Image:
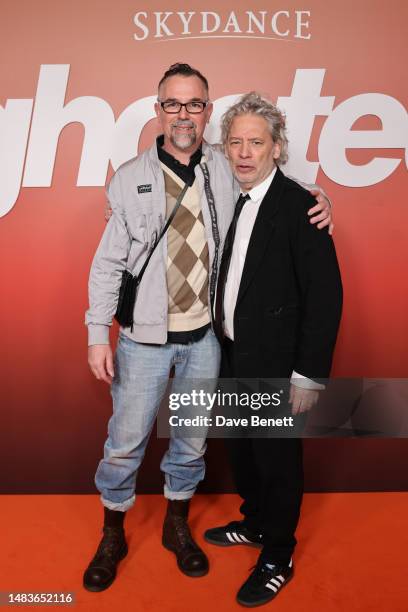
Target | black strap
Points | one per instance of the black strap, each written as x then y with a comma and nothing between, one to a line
164,230
215,232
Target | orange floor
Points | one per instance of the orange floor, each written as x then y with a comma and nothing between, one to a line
351,556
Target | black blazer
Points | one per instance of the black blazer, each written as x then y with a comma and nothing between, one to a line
290,297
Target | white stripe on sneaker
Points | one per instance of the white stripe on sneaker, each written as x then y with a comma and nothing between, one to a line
276,583
245,539
270,586
229,536
236,537
281,578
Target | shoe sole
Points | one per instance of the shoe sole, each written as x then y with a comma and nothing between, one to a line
266,600
98,589
190,574
227,544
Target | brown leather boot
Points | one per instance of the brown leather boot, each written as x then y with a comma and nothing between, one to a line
101,571
191,560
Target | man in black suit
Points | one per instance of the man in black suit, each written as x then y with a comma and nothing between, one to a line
278,307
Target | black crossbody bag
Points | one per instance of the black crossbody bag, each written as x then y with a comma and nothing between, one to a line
130,282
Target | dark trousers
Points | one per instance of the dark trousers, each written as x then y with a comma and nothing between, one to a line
268,474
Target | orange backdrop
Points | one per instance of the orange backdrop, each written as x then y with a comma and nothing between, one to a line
54,412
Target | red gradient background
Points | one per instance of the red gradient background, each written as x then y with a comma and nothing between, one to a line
54,414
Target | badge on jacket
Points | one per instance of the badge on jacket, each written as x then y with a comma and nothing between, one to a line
144,188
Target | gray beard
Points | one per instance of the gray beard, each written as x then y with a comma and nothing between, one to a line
183,142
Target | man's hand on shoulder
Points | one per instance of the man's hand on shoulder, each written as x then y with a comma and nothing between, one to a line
100,361
302,399
321,213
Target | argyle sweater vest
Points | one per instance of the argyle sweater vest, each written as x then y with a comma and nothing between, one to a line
187,258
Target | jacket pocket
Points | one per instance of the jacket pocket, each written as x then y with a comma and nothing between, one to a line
281,311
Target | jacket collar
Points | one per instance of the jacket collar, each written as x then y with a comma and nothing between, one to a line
263,230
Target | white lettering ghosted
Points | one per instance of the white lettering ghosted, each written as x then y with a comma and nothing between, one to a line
106,140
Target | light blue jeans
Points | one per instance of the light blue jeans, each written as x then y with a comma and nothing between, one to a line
141,379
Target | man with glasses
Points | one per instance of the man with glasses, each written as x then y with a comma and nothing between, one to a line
172,314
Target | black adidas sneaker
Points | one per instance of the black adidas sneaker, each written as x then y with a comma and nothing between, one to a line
264,584
232,534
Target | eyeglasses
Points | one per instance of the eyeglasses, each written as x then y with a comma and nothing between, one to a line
173,106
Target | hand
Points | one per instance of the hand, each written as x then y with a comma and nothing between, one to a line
323,207
302,399
100,361
108,211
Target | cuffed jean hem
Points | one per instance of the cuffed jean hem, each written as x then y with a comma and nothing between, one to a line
180,495
119,506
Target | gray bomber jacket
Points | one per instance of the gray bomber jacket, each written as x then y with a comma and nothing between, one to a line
137,197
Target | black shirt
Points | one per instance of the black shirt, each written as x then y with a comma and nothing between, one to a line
186,173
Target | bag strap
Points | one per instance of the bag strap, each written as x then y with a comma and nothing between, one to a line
164,230
215,231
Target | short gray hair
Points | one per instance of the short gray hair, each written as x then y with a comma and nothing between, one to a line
254,103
